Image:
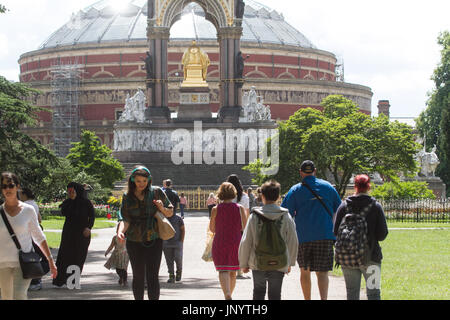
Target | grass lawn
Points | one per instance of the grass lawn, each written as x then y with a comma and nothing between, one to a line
54,239
56,223
417,225
100,223
416,264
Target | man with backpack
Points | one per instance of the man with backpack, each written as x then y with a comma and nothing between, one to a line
359,225
269,244
172,195
312,203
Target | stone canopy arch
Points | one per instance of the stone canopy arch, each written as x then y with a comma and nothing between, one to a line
226,16
215,12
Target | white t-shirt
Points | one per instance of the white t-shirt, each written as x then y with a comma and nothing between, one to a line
245,201
26,227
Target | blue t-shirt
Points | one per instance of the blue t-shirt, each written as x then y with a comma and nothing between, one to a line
312,220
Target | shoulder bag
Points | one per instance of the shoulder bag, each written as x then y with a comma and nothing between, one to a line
164,227
30,262
318,198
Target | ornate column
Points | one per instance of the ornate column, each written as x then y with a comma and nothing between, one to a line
157,87
229,39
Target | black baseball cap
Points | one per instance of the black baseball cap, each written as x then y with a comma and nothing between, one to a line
307,166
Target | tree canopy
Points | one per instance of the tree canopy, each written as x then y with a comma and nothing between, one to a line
434,122
343,141
19,153
90,156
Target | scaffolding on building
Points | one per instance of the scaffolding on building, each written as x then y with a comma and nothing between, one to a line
340,70
65,83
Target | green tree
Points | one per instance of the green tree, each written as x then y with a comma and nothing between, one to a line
90,156
433,123
342,142
55,183
19,153
256,167
2,8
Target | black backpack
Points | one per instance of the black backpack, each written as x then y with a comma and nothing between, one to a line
352,244
271,253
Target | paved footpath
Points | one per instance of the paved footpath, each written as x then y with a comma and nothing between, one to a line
199,282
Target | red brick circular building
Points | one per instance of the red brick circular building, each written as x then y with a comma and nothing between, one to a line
108,46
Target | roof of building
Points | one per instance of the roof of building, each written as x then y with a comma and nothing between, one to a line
104,22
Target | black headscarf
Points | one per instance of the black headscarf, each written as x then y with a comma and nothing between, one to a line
79,189
80,209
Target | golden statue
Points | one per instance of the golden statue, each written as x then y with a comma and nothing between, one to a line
195,67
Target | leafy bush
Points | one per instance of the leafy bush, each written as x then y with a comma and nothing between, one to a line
403,190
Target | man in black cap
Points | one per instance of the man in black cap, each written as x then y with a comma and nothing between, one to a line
313,203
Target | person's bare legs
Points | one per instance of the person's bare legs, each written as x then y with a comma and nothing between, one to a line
232,281
225,283
322,282
305,281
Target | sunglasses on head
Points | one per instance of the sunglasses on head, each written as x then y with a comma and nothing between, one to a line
8,186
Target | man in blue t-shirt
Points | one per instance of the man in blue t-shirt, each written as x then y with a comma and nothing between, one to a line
314,223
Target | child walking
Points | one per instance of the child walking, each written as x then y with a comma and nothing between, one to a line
118,259
173,249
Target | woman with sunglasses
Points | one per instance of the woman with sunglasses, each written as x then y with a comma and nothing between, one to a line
144,247
23,220
76,233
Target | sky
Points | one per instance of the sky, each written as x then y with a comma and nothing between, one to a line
387,45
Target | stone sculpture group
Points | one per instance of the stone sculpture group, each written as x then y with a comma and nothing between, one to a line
253,108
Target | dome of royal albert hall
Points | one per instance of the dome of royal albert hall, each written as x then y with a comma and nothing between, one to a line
103,22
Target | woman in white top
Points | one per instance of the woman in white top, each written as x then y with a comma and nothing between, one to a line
23,220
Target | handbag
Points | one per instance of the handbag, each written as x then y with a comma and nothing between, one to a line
207,254
30,262
165,228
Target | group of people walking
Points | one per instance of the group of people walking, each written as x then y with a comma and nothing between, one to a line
310,219
308,222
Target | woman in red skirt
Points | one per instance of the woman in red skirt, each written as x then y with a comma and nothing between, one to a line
228,220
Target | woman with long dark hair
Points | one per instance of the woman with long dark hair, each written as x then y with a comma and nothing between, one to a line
76,233
139,206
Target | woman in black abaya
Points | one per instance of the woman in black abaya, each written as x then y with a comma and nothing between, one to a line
76,233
